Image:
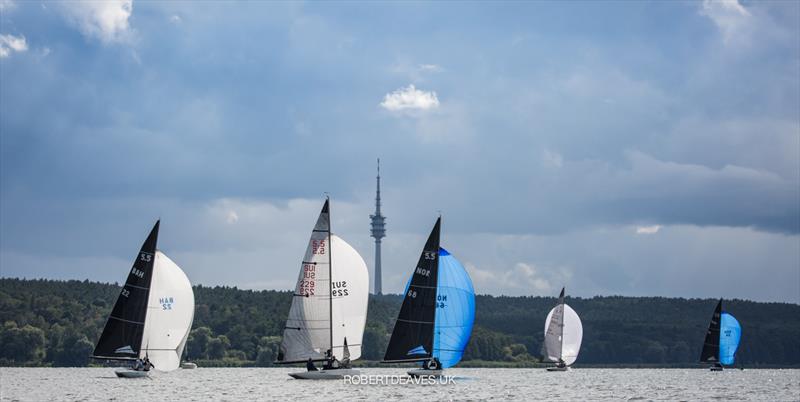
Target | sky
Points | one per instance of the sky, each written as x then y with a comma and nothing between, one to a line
615,148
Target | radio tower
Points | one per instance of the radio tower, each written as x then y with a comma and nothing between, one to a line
378,232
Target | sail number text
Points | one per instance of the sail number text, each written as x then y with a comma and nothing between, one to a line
307,283
146,257
423,271
318,247
429,255
137,272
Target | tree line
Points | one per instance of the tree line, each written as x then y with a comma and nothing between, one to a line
56,323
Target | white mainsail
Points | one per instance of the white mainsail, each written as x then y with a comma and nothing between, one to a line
318,323
170,312
563,333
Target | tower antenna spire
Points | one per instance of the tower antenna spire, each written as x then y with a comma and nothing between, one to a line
378,231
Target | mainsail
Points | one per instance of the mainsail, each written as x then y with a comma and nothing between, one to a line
412,337
317,322
563,333
710,351
122,336
455,310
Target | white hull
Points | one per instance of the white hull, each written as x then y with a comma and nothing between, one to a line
425,373
129,373
335,374
188,366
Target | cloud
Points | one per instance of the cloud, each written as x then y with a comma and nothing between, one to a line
521,279
232,217
552,159
730,17
410,98
7,5
647,230
103,20
11,43
175,19
430,68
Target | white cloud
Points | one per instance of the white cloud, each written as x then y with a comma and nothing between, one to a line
232,217
552,159
522,279
11,43
7,5
104,20
647,230
730,17
431,68
175,19
410,98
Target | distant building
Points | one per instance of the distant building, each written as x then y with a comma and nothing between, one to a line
378,232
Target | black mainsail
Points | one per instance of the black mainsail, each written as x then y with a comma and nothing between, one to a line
122,335
412,338
710,351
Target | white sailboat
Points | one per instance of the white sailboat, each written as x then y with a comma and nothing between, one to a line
563,333
152,317
329,307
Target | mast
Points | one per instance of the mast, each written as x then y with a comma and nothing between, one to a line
561,327
378,232
330,276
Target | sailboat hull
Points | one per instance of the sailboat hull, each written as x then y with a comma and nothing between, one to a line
335,374
716,368
425,373
557,368
129,373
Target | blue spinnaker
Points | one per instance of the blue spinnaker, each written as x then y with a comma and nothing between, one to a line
455,310
730,332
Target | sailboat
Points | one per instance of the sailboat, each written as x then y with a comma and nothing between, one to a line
722,339
563,333
152,316
435,321
329,306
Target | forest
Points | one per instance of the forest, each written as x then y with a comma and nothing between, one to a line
56,323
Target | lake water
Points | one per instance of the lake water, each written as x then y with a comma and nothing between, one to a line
233,384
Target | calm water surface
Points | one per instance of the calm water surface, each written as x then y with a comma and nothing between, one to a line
232,384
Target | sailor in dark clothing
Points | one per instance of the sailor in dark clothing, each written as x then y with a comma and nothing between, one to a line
147,364
310,365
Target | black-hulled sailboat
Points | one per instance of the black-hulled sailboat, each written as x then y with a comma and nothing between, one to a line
435,321
151,319
722,339
329,308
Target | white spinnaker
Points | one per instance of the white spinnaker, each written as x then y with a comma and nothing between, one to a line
350,297
170,312
572,335
307,332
